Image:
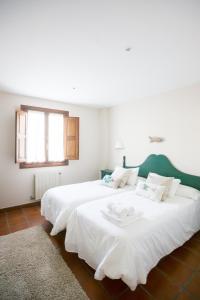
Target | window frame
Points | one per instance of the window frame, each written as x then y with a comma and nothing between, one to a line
24,165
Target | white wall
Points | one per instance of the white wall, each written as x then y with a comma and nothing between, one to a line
16,185
174,116
104,137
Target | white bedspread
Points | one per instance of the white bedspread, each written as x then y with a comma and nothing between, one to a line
58,203
130,253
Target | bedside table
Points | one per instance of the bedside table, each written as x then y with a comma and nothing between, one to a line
105,172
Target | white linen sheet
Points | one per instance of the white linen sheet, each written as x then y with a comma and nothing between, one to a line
58,203
131,252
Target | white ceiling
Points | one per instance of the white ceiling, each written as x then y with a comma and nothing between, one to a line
50,47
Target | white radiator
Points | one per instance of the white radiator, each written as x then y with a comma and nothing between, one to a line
45,181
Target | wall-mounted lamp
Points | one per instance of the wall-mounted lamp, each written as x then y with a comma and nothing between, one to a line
119,145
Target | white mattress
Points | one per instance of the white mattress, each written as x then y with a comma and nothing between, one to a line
130,253
58,203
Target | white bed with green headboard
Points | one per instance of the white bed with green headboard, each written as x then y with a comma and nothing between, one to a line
130,252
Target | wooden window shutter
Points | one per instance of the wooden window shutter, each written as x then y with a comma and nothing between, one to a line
20,138
71,138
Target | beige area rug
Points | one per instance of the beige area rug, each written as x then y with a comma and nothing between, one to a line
32,268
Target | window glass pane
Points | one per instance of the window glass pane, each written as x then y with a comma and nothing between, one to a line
35,137
55,139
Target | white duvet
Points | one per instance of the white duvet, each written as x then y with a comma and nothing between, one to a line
58,203
131,252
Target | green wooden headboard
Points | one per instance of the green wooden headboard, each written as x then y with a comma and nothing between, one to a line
161,165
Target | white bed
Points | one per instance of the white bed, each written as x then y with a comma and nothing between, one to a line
131,252
58,203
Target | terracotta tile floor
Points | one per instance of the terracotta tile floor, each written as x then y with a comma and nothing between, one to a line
176,277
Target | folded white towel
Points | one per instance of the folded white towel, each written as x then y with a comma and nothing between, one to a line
122,222
121,210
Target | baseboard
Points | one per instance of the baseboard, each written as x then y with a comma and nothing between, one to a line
20,206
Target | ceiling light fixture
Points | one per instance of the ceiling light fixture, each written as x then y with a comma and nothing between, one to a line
128,49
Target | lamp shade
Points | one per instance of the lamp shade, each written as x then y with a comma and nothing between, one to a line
119,145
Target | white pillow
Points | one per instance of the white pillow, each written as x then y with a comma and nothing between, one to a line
151,191
133,176
154,178
121,174
112,184
143,179
174,186
188,192
109,182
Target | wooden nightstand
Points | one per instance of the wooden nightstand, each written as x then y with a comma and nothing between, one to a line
105,172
